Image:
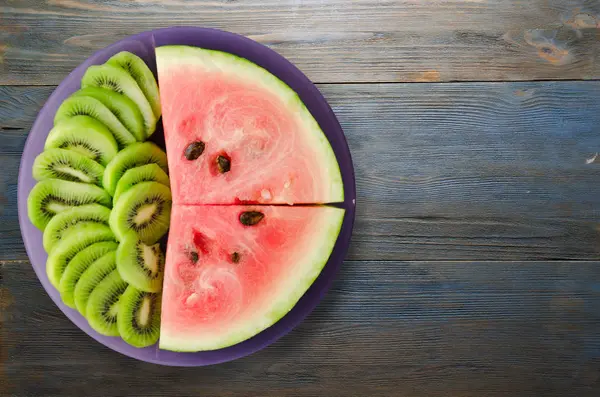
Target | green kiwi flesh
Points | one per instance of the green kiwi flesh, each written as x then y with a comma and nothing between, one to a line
121,106
145,209
138,317
132,156
143,76
67,165
139,264
78,265
51,196
75,240
103,304
91,277
87,106
84,135
116,79
65,220
144,173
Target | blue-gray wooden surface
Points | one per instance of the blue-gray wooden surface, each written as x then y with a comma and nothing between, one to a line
474,268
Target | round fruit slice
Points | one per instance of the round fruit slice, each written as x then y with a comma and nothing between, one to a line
51,196
78,238
145,209
143,76
67,165
121,106
131,157
116,79
79,264
232,271
85,135
88,106
139,264
138,318
103,304
65,220
143,173
91,277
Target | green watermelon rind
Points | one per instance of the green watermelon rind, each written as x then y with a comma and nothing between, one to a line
177,55
317,255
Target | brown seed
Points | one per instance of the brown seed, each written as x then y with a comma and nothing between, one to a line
194,256
223,164
251,218
235,257
194,150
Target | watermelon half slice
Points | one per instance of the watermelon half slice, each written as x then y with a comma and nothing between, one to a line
258,142
233,271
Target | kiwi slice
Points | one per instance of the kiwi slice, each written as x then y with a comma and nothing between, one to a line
65,220
75,240
143,173
51,196
121,106
140,265
80,105
103,304
117,79
145,209
67,165
130,157
91,277
79,264
143,76
138,317
84,135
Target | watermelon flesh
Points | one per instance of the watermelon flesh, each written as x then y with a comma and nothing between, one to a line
239,111
225,281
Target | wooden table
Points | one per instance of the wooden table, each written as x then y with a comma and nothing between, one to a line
475,263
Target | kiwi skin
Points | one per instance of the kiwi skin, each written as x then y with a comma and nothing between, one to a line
103,304
67,165
132,156
63,221
143,197
143,76
88,106
144,173
78,265
91,277
76,239
51,196
84,135
138,319
116,79
139,264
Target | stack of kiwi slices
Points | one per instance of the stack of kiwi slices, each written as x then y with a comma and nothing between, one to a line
103,201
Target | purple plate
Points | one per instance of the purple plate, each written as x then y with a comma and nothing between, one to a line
143,44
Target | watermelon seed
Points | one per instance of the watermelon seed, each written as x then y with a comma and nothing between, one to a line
223,164
235,257
194,256
251,218
194,150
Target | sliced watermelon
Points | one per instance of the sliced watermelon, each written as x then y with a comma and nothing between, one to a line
232,271
236,134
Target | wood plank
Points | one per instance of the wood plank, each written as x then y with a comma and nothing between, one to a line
330,40
386,328
444,171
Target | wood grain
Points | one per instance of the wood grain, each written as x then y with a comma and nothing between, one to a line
385,329
444,171
330,40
